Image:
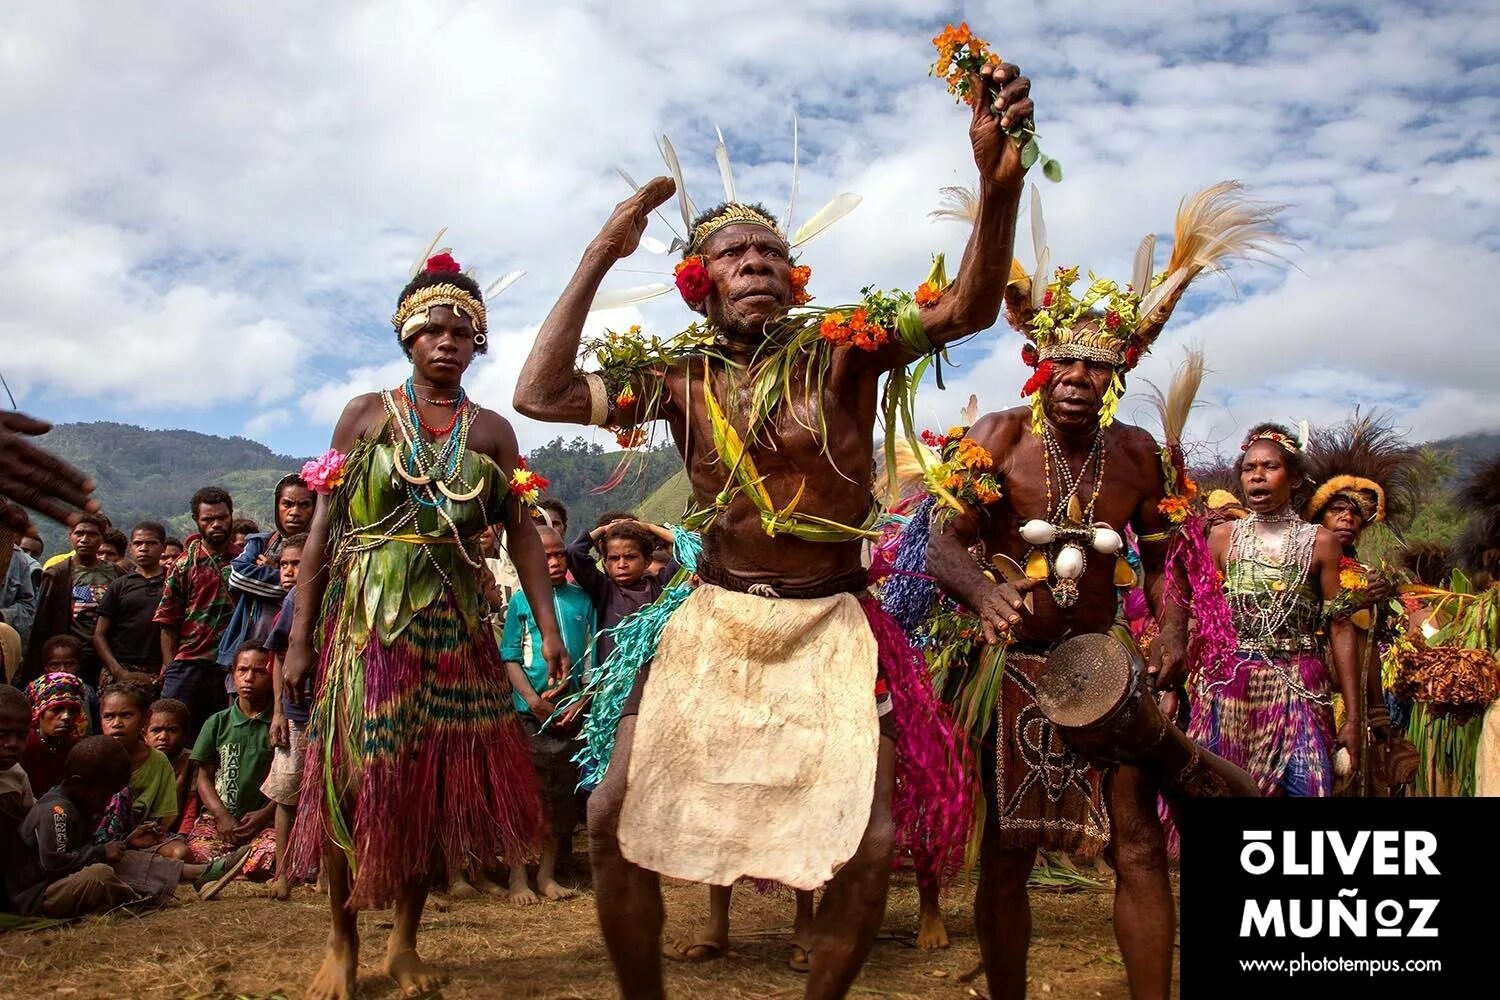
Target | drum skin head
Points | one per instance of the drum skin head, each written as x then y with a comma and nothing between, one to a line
1085,679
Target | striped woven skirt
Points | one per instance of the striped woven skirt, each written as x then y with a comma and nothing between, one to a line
417,766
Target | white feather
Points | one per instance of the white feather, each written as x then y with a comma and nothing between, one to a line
1038,233
1039,279
1145,259
1161,292
1304,435
791,205
721,153
502,283
620,297
636,187
957,204
651,244
416,268
683,200
840,206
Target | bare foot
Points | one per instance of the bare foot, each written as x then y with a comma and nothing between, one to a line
553,891
460,889
696,951
280,888
521,894
336,976
931,933
414,976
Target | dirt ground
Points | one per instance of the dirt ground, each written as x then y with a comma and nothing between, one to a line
245,945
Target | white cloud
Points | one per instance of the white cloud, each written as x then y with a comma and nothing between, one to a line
205,185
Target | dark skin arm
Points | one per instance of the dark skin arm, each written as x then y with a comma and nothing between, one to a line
32,478
997,603
110,667
224,821
312,575
1167,661
549,387
1341,643
973,300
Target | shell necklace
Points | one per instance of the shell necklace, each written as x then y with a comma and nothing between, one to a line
1060,542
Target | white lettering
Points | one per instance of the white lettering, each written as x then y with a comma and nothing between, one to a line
1388,914
1254,849
1424,908
1340,912
1267,920
1420,847
1348,856
1315,926
1387,850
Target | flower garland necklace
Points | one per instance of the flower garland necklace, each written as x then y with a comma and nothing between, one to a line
1071,529
1261,619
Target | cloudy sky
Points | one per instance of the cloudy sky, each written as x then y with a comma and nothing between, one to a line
207,209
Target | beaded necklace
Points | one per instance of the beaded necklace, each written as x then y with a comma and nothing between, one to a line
1261,617
1071,520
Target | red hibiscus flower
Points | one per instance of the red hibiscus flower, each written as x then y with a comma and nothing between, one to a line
1039,378
443,263
1029,355
693,281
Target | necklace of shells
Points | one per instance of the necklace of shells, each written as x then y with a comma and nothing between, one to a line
1060,542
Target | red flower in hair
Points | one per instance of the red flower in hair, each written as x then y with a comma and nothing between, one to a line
443,263
1029,355
693,282
1132,356
1039,378
1112,320
1047,299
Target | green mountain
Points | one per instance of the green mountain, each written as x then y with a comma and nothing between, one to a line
150,475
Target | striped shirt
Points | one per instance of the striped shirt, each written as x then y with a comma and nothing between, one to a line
196,602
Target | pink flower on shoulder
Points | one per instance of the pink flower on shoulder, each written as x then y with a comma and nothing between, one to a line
324,474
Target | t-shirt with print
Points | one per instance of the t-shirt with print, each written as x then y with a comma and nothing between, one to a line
130,604
89,586
239,745
195,601
153,788
522,640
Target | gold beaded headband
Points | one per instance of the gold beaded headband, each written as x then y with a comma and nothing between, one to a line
1284,441
411,316
733,214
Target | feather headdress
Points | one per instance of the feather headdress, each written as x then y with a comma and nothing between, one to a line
411,313
1366,461
691,238
1479,545
1117,325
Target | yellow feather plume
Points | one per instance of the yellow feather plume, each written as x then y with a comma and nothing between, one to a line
1174,407
1213,227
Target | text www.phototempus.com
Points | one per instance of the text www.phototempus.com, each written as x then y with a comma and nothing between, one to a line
1339,965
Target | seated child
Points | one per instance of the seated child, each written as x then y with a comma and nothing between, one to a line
57,722
288,719
59,872
167,732
233,754
552,749
63,654
153,783
16,798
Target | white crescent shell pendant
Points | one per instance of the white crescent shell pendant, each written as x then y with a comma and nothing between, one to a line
1038,532
461,497
1068,564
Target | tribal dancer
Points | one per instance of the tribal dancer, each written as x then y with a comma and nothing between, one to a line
1263,696
759,748
1045,491
1363,472
416,763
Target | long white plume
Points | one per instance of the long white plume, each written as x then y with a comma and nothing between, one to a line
840,206
1145,259
416,268
620,297
503,282
684,201
721,153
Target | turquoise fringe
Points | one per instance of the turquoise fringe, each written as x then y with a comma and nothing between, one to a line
636,638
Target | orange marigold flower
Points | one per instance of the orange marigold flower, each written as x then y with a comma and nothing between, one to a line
801,274
833,329
626,397
1174,508
927,293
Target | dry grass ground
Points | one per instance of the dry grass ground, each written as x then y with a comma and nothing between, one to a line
244,945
